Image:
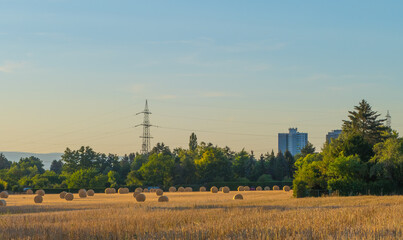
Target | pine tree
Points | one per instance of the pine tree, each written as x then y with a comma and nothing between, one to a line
365,122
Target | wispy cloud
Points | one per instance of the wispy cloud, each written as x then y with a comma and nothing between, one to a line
166,97
138,88
218,94
253,47
9,66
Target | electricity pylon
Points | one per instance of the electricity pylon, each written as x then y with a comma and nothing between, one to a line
145,147
388,120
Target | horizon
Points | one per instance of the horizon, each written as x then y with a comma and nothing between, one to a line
76,73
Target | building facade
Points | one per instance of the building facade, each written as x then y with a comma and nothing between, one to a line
332,135
293,141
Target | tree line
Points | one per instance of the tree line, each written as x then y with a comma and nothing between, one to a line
162,167
367,156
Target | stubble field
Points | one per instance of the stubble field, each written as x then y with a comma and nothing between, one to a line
196,215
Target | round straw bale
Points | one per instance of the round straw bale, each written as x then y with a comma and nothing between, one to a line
238,197
40,192
29,191
159,192
275,187
4,194
38,199
140,197
259,188
188,189
113,190
163,199
266,188
3,203
181,189
220,189
69,197
225,189
146,190
135,194
123,190
240,188
139,189
90,193
202,189
82,193
246,188
214,189
62,194
172,189
286,188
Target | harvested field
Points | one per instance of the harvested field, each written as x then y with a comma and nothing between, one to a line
202,215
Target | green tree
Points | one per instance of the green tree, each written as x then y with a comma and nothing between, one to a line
388,161
364,121
32,161
113,178
193,142
310,175
138,161
3,185
4,163
82,158
346,175
158,170
56,166
87,178
213,165
239,164
308,149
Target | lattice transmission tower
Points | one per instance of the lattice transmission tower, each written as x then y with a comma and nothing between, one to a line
145,147
388,120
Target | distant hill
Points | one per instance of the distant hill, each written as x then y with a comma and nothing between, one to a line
47,158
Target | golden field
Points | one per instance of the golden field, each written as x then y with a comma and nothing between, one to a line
196,215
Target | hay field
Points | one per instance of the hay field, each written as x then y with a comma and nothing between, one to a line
195,215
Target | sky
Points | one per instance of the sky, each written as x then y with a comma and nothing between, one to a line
236,73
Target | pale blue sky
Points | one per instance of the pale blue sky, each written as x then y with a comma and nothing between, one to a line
75,72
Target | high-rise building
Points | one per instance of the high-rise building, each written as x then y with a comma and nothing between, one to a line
332,135
293,141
